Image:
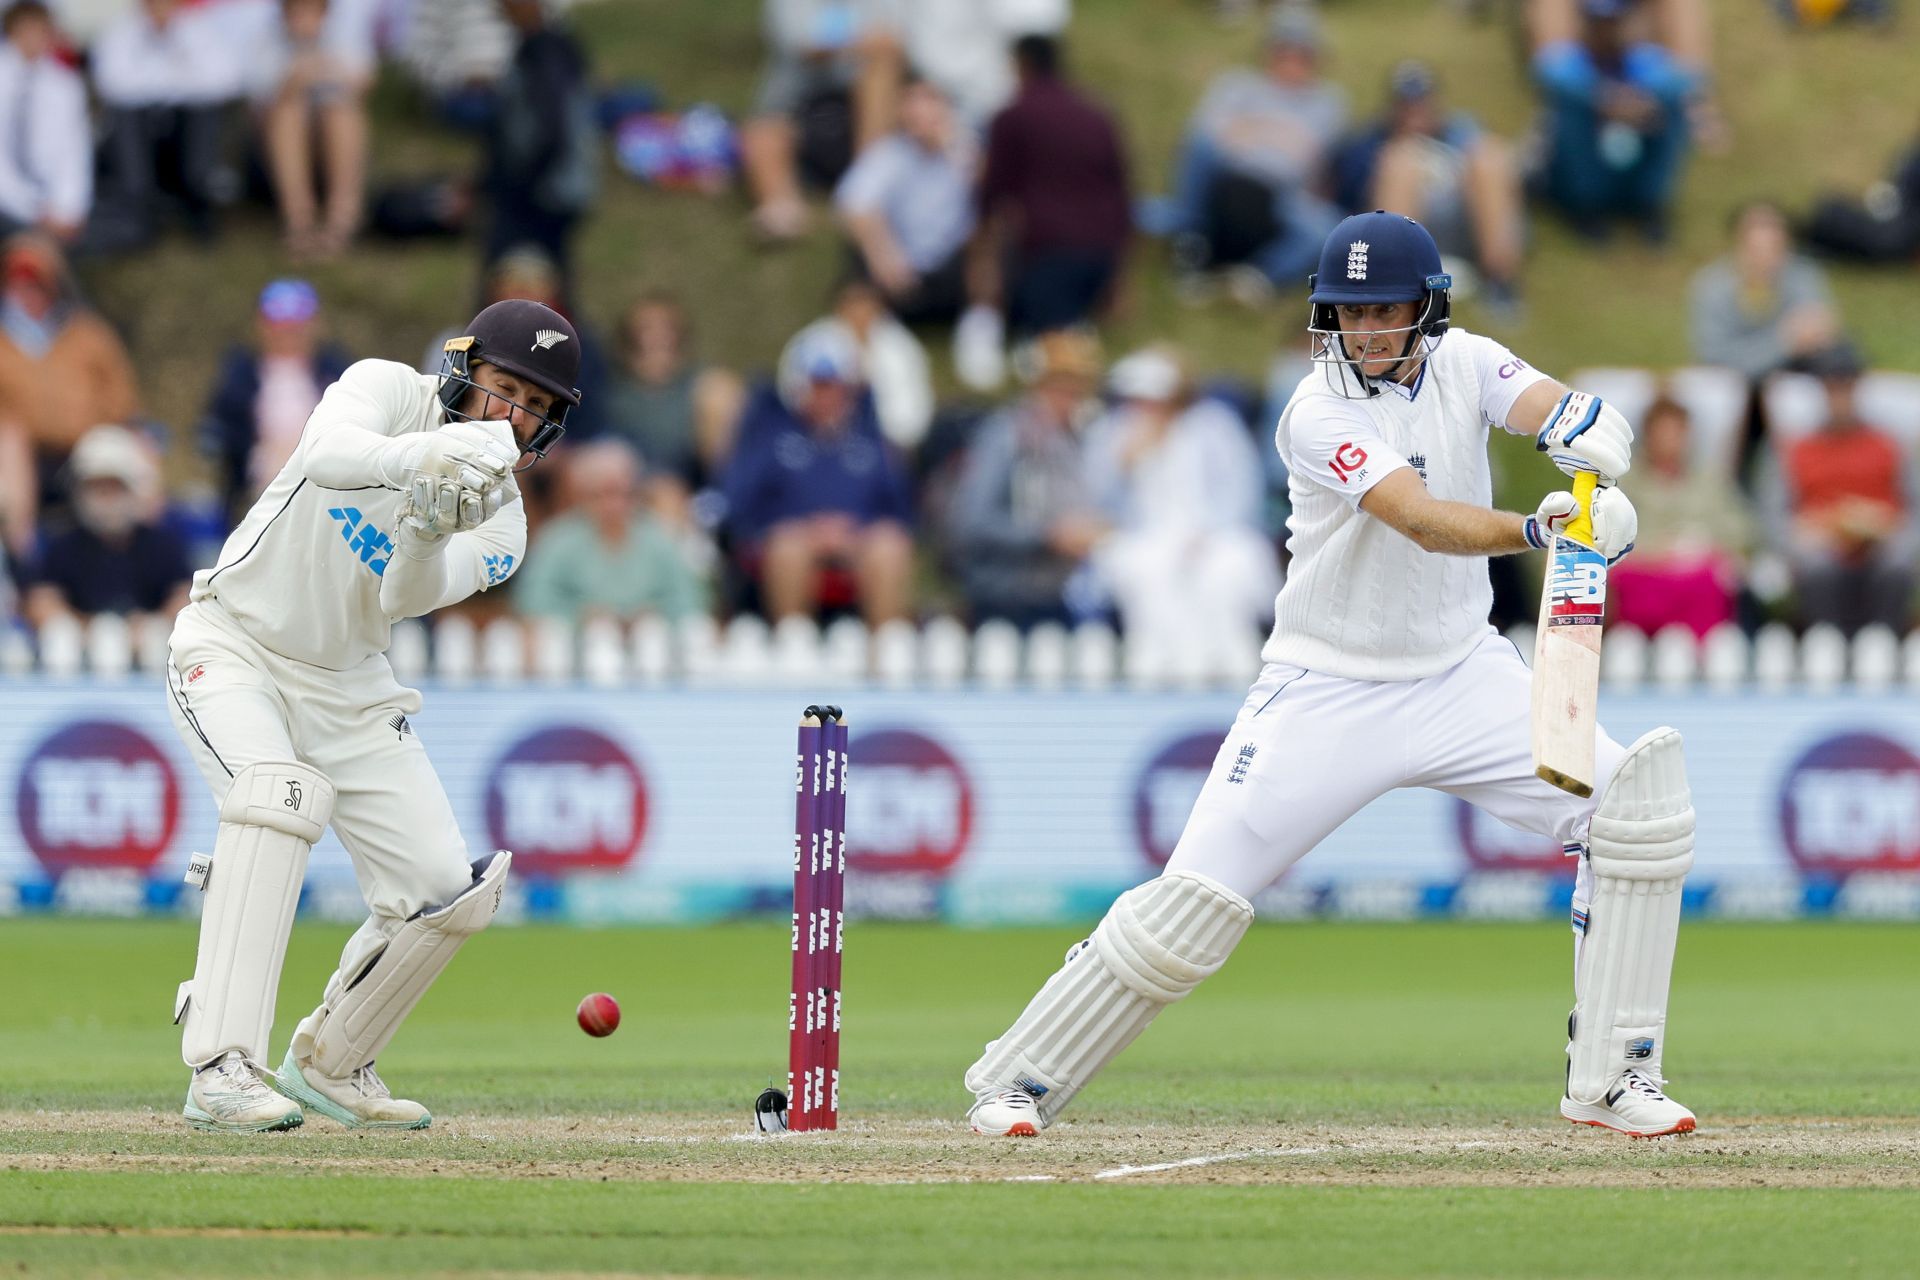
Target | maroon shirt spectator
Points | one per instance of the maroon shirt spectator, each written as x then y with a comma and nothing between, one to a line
1053,200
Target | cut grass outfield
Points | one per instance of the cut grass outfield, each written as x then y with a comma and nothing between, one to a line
1385,1094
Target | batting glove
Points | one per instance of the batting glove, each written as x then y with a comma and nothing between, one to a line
1615,523
1585,433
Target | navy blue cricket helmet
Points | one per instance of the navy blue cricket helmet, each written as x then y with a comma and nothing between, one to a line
1379,257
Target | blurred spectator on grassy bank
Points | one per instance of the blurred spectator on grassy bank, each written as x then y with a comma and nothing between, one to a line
312,70
1023,520
544,154
1762,307
818,507
605,555
1845,498
46,139
112,556
63,371
266,390
676,411
1695,533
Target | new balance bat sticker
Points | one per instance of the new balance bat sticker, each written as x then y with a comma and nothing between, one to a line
1566,653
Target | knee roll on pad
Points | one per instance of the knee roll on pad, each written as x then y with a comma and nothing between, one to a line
353,1024
1155,945
272,815
1640,849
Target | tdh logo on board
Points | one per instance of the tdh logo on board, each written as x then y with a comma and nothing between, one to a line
97,794
566,799
1852,803
909,804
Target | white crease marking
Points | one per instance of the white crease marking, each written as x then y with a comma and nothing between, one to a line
1128,1170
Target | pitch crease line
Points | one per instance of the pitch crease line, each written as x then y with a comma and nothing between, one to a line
1194,1162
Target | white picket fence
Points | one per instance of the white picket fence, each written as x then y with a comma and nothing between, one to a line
747,653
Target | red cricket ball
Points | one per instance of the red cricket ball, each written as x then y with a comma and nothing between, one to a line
599,1014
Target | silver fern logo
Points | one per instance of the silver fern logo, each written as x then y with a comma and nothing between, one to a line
545,338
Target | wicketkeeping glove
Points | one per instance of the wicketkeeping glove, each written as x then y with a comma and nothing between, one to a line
1615,523
1585,433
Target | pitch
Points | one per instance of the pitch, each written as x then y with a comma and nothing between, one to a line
1341,1099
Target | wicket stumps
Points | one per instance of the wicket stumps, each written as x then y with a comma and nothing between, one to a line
819,902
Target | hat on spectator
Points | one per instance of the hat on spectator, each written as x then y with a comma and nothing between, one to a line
1839,361
289,301
1149,374
1412,80
1294,26
822,352
113,453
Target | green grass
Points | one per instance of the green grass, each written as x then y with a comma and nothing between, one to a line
556,1153
1809,112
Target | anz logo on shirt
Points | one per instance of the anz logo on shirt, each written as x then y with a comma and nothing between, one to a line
363,539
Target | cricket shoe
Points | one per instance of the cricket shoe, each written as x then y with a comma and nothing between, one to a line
359,1101
229,1096
1006,1113
1634,1106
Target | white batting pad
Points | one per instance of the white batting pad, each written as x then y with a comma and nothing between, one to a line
269,821
1153,946
360,1013
1641,847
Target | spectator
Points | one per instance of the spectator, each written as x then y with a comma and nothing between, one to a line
543,164
606,557
1440,167
457,50
907,202
1882,226
1023,520
1762,307
1054,221
892,362
1846,500
46,141
116,558
817,506
826,95
677,412
1694,535
966,46
1178,479
1252,174
165,73
312,74
265,392
63,371
1616,119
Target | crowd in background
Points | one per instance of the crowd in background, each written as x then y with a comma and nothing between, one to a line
989,210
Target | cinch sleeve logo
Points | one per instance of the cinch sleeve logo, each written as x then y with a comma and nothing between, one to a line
1347,460
1511,367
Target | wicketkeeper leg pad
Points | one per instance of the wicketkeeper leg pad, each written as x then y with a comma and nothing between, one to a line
1641,846
361,1010
271,817
1155,944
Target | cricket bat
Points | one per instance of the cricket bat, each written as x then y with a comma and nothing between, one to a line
1566,651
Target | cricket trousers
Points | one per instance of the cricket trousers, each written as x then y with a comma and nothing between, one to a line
236,703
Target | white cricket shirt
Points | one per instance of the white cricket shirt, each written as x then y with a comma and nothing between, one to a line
303,571
1361,599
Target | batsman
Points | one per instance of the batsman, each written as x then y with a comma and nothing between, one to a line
399,499
1383,672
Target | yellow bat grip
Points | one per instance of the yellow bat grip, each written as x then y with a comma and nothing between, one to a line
1580,528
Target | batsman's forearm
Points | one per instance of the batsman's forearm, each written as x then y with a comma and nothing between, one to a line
413,588
1462,529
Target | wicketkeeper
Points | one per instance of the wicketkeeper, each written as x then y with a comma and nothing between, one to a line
399,500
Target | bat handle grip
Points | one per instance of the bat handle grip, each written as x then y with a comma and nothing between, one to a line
1580,528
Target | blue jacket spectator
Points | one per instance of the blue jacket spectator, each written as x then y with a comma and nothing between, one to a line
818,507
1616,121
265,392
